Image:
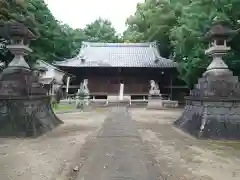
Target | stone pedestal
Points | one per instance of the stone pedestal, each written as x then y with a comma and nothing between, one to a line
113,100
214,118
213,108
25,111
155,102
86,100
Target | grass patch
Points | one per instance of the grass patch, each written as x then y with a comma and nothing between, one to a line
221,145
63,107
232,144
99,109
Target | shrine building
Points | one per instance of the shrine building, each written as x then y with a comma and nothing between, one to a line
107,65
52,76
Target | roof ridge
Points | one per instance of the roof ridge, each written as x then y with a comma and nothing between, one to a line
103,44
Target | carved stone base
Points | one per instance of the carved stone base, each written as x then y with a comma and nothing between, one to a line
82,103
115,100
211,119
154,92
155,102
27,117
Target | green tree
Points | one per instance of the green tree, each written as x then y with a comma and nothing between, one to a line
187,37
37,17
75,37
101,31
179,28
55,41
153,21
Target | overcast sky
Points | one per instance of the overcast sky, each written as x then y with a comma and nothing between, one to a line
78,13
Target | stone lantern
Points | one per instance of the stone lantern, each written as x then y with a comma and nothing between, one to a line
20,38
213,107
25,108
218,35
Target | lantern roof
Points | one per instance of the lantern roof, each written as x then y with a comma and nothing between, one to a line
10,30
220,30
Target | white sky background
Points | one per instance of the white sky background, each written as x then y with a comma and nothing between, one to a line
79,13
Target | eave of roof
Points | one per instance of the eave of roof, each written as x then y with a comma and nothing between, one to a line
47,80
54,67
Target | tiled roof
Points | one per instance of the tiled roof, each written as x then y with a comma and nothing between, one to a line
118,55
50,66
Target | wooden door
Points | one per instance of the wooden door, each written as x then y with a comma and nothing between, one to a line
135,85
104,85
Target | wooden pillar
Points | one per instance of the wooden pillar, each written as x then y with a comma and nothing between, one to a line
170,87
50,89
121,91
68,82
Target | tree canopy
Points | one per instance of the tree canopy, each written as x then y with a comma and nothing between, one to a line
179,28
55,39
101,31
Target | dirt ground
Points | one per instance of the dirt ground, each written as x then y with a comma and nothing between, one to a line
177,155
182,157
51,156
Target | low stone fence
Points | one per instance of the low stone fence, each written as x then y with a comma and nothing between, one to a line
170,104
130,100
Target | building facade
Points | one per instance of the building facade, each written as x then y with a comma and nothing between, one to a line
52,76
108,65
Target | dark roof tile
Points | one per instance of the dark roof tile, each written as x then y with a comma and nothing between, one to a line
118,55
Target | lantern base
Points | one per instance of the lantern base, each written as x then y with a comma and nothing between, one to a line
211,119
27,117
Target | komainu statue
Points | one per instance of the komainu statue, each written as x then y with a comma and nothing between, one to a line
82,97
154,88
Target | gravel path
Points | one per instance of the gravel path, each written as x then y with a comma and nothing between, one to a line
119,153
